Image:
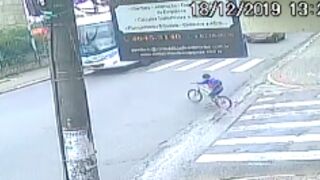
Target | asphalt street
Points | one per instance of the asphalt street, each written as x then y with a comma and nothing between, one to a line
132,113
277,135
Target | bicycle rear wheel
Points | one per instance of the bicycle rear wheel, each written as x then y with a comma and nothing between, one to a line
223,102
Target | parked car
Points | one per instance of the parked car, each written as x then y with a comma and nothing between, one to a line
265,37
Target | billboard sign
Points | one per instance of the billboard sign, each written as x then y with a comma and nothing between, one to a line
157,30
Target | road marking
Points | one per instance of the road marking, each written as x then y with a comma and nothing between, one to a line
88,72
221,64
272,89
274,93
265,99
165,66
281,125
266,140
279,114
279,91
264,177
192,65
247,65
285,104
267,156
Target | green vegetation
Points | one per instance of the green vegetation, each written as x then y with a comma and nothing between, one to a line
15,45
17,54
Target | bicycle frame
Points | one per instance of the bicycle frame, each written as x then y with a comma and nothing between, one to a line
203,90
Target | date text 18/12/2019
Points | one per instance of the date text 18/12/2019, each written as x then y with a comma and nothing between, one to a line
230,8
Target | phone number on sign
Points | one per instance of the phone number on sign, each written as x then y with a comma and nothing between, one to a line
230,8
151,37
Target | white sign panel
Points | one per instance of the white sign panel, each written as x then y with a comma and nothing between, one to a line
165,16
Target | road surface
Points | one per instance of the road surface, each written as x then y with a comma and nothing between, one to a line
277,135
132,113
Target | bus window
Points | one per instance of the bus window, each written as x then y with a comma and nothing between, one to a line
96,38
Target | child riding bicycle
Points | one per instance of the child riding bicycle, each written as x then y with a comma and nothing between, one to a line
214,85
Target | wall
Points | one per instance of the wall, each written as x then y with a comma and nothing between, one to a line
11,13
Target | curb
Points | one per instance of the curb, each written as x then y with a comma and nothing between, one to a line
279,83
284,62
272,80
104,71
24,85
118,69
4,80
191,141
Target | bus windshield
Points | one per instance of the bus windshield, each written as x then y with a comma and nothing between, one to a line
96,38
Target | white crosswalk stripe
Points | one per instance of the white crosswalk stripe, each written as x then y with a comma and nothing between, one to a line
185,65
269,87
271,139
266,156
285,104
247,66
306,112
274,93
167,65
280,125
192,65
281,134
273,176
221,64
265,99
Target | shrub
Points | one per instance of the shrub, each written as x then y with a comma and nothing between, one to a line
15,44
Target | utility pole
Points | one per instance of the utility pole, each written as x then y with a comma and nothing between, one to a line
72,112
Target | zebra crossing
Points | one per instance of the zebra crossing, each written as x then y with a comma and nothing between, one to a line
278,128
210,65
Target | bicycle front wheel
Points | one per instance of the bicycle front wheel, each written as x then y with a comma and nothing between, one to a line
194,95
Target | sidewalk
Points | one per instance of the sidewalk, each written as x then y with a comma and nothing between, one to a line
303,71
40,75
23,80
276,137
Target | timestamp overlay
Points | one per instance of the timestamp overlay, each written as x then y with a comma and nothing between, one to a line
159,30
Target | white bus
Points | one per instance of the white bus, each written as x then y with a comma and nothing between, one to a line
98,48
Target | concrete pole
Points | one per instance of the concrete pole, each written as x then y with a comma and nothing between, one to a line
72,112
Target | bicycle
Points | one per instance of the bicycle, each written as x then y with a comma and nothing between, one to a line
222,102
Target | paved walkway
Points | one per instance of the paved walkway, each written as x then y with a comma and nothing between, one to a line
24,79
303,71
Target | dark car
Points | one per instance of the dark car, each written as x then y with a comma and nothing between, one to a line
265,37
